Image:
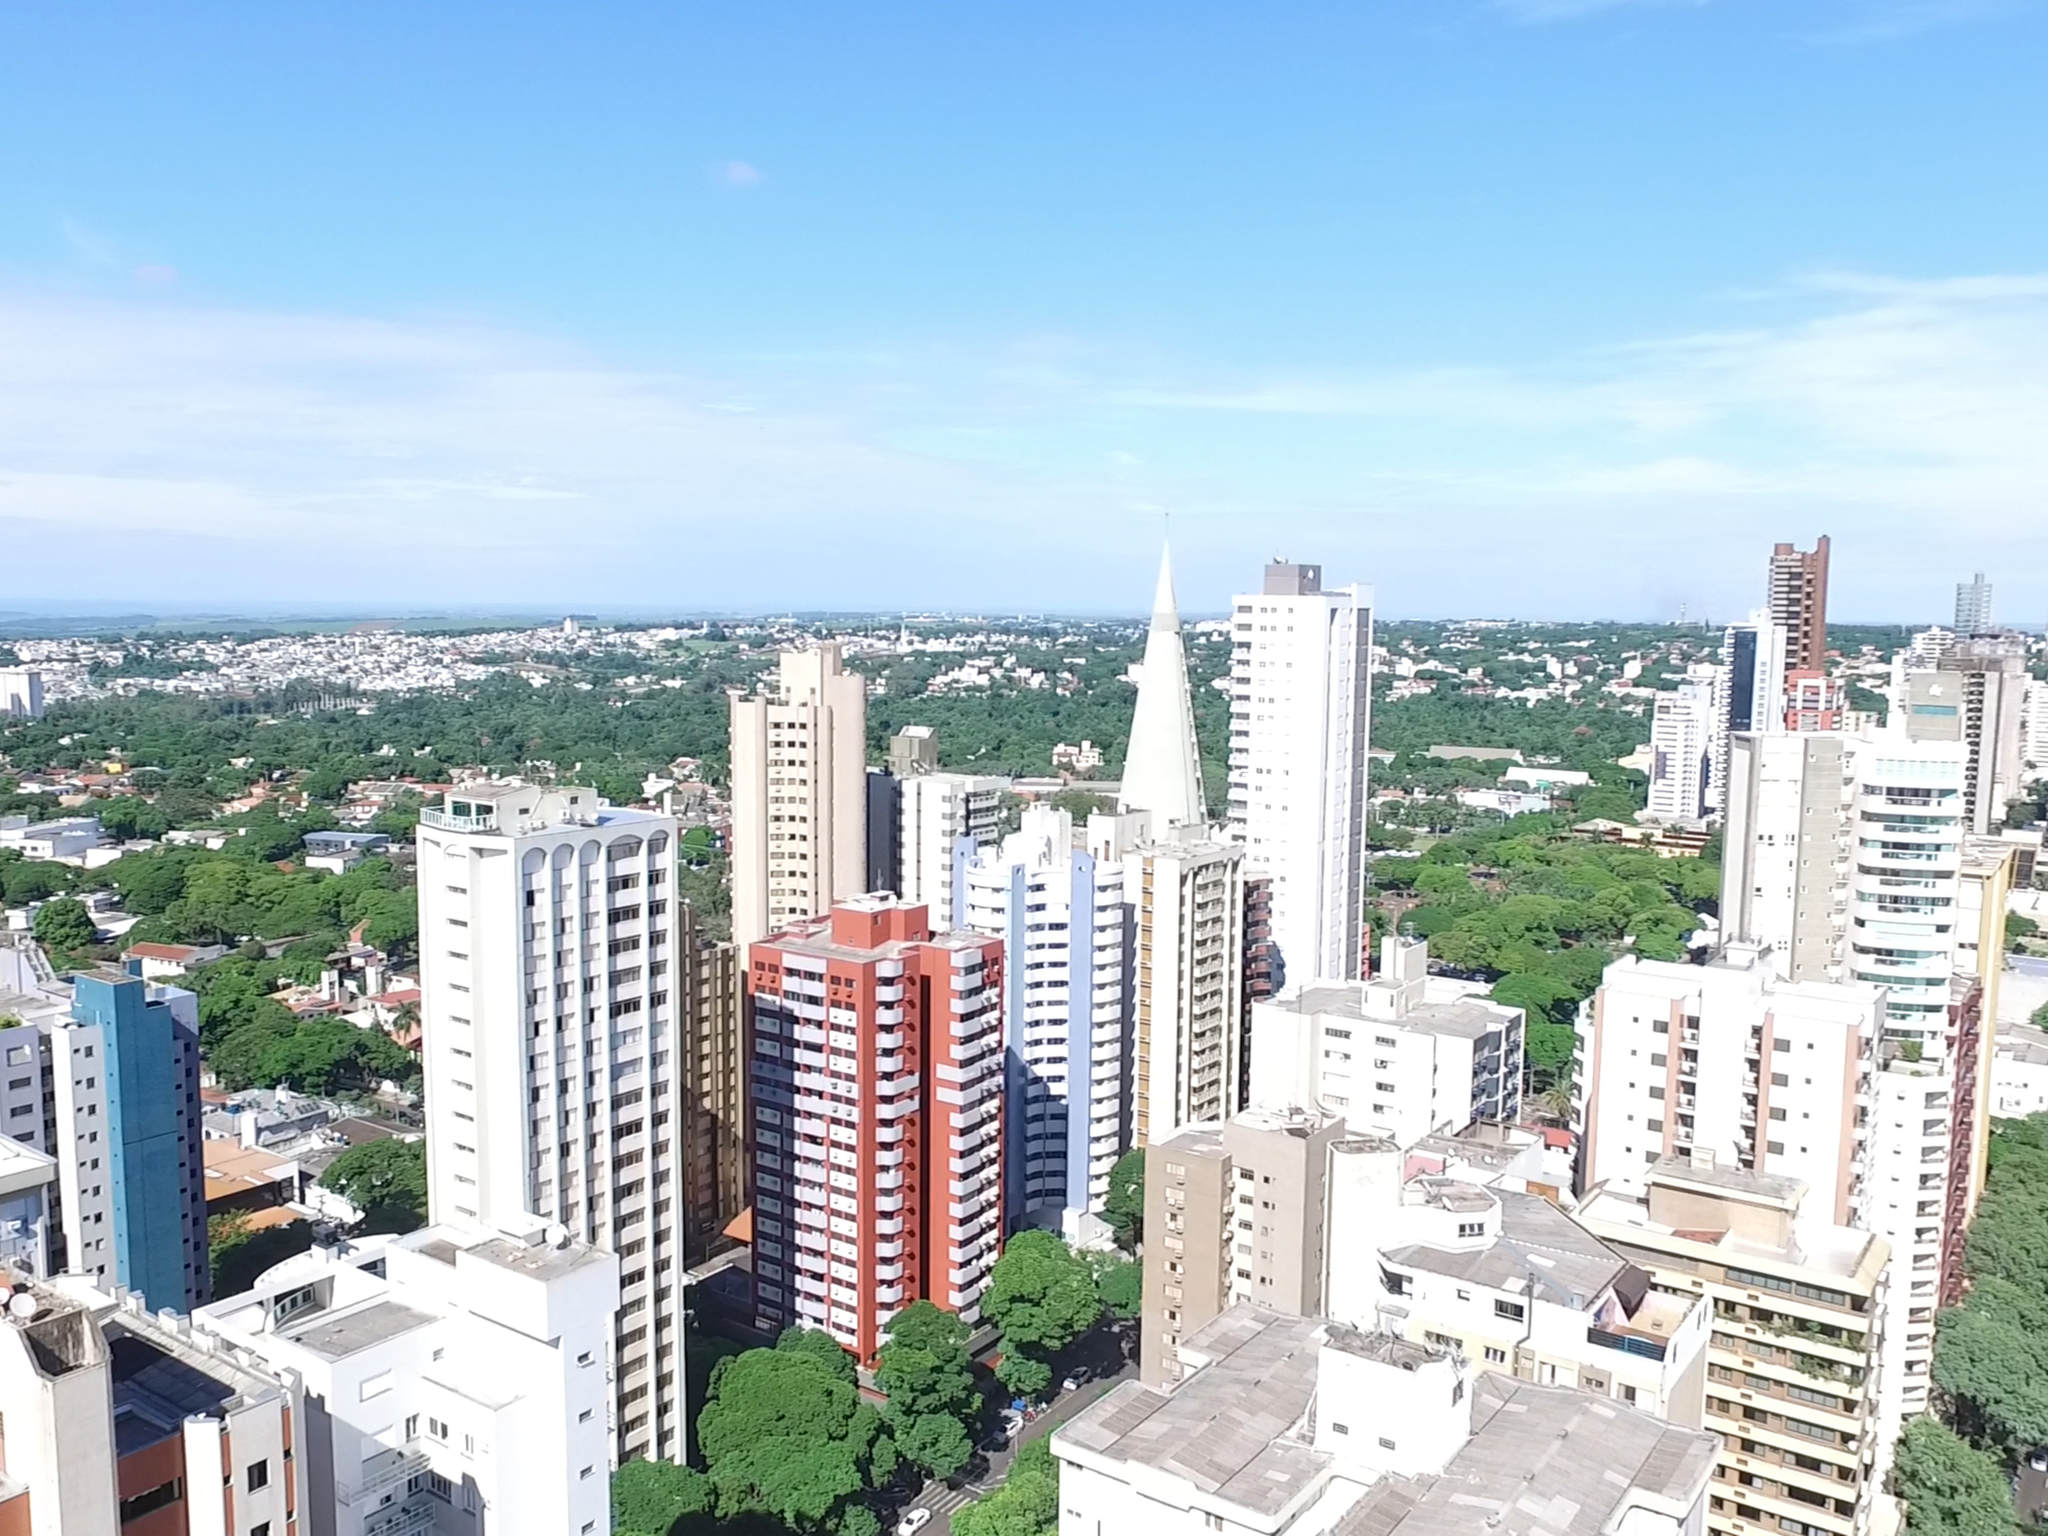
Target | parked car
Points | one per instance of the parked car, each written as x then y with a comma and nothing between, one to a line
1071,1382
913,1521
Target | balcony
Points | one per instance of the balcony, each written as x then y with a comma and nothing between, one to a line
1630,1341
380,1472
414,1515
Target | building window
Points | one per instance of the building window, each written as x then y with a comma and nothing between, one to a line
153,1499
259,1474
1510,1309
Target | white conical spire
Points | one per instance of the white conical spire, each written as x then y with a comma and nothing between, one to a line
1162,768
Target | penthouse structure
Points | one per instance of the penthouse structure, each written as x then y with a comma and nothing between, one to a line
876,1077
1508,1281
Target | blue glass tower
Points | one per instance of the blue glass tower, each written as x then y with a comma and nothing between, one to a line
155,1167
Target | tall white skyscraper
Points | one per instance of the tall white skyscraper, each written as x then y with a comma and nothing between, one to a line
799,793
1162,768
548,926
1753,651
935,813
1300,724
1684,733
1973,605
2034,731
1066,929
1976,695
21,693
1848,856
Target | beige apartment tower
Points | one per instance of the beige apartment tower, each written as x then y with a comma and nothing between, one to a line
799,793
714,1102
1233,1212
1792,1362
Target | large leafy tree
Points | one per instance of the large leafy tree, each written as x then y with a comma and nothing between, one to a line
923,1367
385,1180
821,1347
783,1435
1124,1207
1041,1294
1948,1488
65,925
654,1498
1028,1503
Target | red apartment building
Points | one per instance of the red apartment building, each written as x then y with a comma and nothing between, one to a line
875,1064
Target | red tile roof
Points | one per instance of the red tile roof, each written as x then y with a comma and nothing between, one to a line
163,951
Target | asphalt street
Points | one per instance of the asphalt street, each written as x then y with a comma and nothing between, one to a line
942,1498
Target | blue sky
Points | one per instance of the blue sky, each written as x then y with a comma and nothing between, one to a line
1536,307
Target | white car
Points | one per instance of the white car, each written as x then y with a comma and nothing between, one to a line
913,1521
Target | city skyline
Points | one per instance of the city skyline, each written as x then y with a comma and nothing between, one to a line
1030,285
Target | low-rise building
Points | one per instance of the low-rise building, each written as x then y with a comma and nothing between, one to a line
1397,1056
2019,1082
1290,1426
1509,1281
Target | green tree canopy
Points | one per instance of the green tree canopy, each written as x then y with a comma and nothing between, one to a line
1948,1488
386,1180
1028,1503
1041,1294
65,926
783,1435
923,1367
654,1498
1124,1207
821,1347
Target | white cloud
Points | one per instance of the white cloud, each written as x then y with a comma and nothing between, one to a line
242,452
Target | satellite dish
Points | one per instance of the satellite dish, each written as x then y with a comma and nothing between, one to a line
21,1306
558,1235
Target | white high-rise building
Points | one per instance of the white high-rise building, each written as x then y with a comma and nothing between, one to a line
2034,737
1763,1074
1753,661
1066,929
1300,722
21,693
1685,732
1162,768
1973,605
935,813
548,927
799,793
1848,860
